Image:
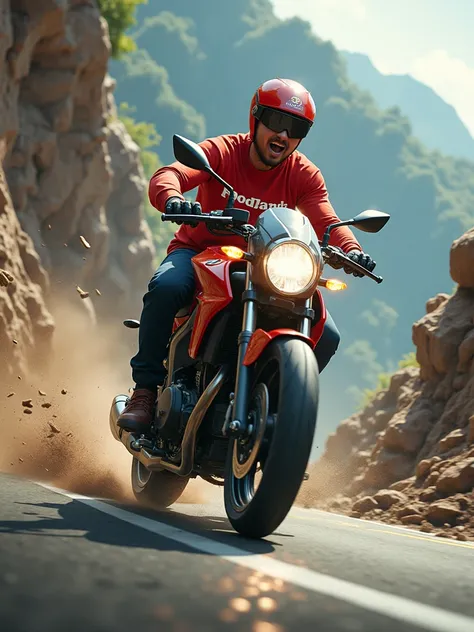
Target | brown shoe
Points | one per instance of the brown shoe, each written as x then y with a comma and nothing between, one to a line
138,413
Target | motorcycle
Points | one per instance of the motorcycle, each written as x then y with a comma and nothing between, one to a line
240,401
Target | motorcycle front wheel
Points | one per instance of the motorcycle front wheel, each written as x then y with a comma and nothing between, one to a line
283,411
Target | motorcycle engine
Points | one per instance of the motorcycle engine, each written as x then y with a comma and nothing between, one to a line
175,405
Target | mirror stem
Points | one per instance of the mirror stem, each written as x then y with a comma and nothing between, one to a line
230,203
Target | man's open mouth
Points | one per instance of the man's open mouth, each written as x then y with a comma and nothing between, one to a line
277,148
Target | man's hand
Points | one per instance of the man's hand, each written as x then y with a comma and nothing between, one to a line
362,259
178,206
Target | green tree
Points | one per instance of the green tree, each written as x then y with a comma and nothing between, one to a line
120,15
144,135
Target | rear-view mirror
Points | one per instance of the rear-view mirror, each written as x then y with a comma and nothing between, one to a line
370,221
190,154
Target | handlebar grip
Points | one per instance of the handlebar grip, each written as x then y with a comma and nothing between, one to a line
348,263
181,217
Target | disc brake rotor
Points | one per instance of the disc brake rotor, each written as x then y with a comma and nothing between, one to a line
246,452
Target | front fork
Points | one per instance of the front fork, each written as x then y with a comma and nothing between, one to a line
237,417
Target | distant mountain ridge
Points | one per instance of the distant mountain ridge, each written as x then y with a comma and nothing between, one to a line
434,122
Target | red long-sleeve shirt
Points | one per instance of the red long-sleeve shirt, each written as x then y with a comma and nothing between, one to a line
295,183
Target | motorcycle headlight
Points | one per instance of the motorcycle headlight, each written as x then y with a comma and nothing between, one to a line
291,268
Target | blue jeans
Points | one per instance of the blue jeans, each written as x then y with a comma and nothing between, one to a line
170,289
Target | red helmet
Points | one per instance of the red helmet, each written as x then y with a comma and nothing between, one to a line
284,95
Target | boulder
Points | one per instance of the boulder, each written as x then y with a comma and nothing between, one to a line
461,260
399,486
388,497
433,303
456,478
452,440
443,511
423,467
411,519
439,334
407,430
365,504
410,510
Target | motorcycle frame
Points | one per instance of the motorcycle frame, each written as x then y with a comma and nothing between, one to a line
214,292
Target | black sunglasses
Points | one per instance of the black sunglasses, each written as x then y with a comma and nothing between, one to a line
278,122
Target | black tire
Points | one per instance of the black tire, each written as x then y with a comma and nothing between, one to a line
289,369
157,490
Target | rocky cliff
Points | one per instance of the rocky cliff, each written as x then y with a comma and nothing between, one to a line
409,456
71,188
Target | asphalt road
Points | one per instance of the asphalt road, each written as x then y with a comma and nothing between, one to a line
69,563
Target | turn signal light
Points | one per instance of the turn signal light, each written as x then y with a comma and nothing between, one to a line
233,252
335,285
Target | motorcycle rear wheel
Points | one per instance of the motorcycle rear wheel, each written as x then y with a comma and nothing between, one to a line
157,490
289,371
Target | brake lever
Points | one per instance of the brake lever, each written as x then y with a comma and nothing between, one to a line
343,258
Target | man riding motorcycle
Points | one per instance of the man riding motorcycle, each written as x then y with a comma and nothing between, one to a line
266,170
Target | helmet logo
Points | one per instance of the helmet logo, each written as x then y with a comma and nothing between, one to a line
295,103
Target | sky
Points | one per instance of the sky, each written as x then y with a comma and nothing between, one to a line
432,40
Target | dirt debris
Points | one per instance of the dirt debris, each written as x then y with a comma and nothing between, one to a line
84,242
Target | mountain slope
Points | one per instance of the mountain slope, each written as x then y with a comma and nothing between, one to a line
434,122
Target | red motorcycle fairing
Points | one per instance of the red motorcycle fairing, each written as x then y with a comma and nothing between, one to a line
212,269
261,338
317,329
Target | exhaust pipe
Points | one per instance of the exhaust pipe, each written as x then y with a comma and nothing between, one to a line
153,462
119,403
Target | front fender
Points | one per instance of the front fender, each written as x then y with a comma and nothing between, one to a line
261,338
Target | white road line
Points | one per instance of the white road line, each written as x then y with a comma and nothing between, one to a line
398,608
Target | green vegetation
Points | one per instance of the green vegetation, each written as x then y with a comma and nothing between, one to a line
120,15
144,135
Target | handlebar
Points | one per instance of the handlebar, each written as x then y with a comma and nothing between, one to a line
333,253
234,216
236,220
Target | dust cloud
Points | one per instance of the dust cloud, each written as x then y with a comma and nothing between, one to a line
64,438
